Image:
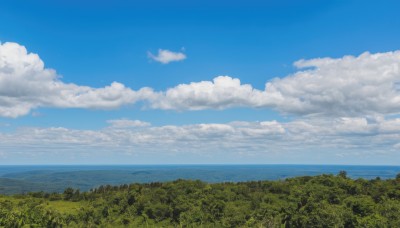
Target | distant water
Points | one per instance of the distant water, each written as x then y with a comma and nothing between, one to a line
19,179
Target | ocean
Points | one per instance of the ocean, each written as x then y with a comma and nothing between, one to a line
55,178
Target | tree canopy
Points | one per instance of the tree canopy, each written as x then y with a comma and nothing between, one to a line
319,201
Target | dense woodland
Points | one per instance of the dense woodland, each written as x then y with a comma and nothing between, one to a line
319,201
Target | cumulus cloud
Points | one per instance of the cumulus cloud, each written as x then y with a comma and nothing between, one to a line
167,56
223,92
348,86
142,137
345,86
126,123
342,136
26,84
351,86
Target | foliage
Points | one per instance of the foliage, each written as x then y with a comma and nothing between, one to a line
320,201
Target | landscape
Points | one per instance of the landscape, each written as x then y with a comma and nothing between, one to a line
25,179
131,113
319,201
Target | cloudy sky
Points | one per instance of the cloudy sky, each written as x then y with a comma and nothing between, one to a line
177,82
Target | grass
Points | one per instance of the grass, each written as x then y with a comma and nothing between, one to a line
4,198
65,207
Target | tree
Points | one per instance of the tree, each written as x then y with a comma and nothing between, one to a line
68,193
319,201
342,174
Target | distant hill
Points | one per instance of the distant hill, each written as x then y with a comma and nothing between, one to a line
22,179
10,186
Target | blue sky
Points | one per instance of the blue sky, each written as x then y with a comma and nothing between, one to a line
91,44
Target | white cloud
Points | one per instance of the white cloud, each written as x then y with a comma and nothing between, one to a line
223,92
25,84
353,125
366,85
186,138
126,123
295,138
167,56
397,146
348,86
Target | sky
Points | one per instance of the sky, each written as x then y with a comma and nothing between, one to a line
200,82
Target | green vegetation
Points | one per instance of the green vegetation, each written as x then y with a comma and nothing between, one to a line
319,201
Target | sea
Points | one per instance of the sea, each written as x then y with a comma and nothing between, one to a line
16,179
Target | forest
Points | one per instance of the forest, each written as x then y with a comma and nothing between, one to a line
308,201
